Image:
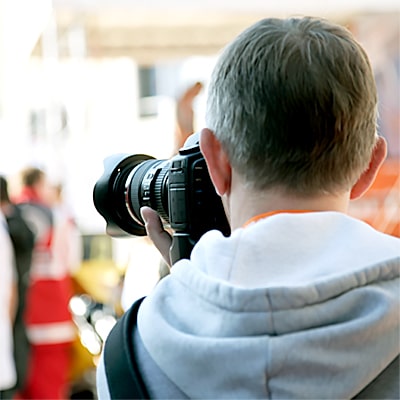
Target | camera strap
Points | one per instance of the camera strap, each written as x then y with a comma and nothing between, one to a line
123,376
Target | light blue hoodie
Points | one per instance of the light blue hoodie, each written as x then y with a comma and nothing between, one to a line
294,306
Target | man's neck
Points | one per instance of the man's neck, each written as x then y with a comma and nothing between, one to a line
244,204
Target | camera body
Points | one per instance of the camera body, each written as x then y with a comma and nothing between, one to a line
179,189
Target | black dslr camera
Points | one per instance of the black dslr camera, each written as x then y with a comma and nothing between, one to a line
179,189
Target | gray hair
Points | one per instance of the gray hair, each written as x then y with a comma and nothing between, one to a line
293,103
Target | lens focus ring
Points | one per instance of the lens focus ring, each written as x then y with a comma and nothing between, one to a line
161,192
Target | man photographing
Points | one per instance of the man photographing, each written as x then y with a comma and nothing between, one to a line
301,301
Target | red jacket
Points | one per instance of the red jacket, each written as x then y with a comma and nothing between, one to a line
47,312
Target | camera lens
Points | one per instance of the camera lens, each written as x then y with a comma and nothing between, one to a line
147,185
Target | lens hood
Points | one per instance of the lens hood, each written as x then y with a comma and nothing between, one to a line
109,195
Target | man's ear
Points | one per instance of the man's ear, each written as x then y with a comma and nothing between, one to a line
365,181
217,161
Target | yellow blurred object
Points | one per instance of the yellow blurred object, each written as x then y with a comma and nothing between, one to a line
82,360
100,279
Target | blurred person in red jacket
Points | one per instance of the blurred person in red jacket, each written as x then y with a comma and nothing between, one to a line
49,322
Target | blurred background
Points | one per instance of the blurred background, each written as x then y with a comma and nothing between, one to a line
83,79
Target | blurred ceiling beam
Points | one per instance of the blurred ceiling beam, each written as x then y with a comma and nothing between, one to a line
155,30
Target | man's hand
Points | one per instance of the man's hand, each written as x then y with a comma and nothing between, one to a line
156,232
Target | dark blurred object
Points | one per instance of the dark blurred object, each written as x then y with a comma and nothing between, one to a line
23,242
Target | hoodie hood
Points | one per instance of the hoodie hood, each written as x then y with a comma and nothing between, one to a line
292,306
